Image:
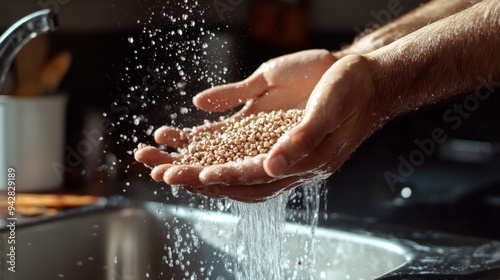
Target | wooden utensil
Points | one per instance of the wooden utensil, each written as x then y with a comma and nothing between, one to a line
29,62
54,71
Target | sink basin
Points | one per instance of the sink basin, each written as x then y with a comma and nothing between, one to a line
148,240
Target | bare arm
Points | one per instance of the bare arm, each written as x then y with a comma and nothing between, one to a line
414,20
441,60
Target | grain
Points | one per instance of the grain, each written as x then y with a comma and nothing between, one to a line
237,139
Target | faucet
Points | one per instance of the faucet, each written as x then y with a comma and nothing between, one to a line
27,28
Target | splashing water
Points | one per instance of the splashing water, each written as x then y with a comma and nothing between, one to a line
260,237
259,243
172,57
308,212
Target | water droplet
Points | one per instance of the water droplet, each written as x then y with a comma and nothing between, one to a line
175,190
184,110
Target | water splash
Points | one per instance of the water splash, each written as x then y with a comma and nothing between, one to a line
307,212
171,59
259,236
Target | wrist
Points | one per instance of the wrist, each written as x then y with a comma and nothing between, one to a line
371,107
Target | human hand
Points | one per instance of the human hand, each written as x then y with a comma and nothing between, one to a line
284,83
329,133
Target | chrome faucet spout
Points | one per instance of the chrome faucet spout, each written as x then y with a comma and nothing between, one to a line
27,28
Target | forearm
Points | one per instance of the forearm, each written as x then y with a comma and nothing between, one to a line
410,22
439,61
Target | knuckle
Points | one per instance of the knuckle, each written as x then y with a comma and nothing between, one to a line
304,144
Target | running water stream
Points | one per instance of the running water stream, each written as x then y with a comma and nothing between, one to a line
259,239
260,236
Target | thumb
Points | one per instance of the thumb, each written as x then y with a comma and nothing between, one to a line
224,97
324,113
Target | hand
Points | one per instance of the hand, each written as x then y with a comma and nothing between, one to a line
281,83
330,131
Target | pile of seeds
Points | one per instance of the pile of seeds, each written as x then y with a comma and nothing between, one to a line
237,139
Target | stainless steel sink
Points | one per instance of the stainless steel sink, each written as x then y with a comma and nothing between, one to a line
147,240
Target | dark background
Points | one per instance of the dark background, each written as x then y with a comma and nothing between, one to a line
113,56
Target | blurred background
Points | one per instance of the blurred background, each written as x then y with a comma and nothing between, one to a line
136,64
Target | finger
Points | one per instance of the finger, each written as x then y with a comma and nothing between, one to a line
222,98
328,156
158,172
183,175
170,136
248,171
324,113
212,191
153,156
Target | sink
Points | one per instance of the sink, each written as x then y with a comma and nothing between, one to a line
122,239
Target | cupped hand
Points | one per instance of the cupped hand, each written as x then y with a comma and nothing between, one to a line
340,113
284,83
281,83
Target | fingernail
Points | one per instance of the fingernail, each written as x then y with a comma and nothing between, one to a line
278,165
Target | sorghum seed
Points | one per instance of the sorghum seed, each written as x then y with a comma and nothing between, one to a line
237,139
